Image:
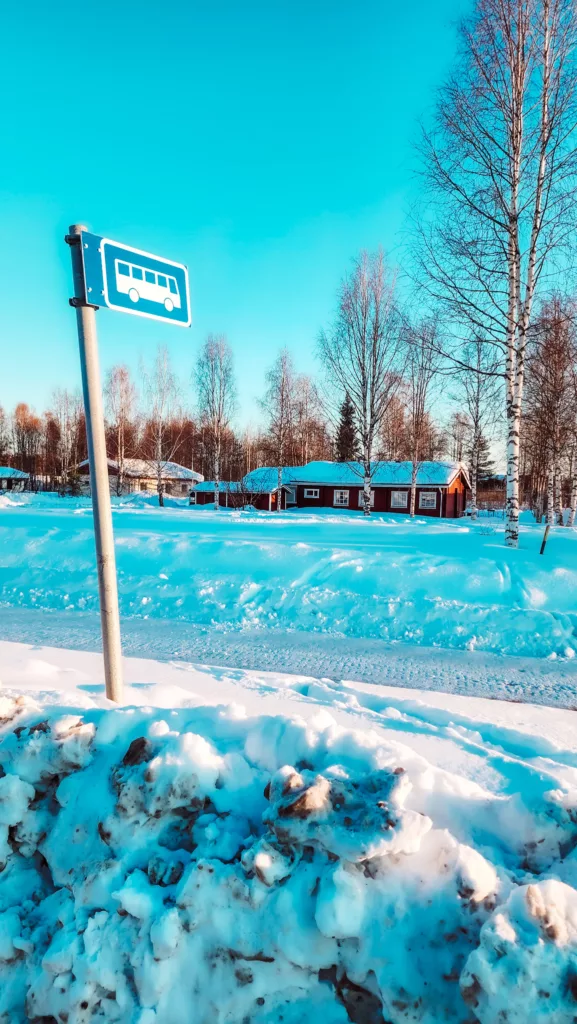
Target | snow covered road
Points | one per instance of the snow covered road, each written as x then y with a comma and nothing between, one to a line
469,673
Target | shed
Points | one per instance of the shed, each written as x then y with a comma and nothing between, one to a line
12,479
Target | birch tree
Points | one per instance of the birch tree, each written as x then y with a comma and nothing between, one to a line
120,394
216,393
279,404
500,164
423,361
477,389
161,392
363,353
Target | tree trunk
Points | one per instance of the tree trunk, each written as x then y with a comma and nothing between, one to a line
550,498
474,474
279,491
367,491
558,495
120,461
413,488
159,481
217,477
572,502
512,502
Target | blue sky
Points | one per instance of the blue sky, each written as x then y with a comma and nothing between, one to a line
262,143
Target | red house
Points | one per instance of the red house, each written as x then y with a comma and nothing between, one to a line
442,487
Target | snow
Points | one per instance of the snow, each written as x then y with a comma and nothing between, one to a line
250,845
239,845
265,479
9,473
384,473
432,583
146,468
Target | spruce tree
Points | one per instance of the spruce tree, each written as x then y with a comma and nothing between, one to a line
346,444
485,464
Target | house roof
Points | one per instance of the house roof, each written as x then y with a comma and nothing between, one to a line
9,473
207,486
265,479
385,474
146,468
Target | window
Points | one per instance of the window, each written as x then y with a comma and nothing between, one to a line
172,286
137,273
399,499
150,277
428,499
311,492
162,281
341,498
362,499
291,497
124,269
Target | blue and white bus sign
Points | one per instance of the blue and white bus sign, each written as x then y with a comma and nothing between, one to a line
132,281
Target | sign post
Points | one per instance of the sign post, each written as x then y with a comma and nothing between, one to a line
129,280
99,484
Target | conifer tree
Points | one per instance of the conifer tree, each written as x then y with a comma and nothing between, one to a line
346,439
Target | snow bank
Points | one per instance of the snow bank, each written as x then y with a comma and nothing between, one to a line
436,584
200,864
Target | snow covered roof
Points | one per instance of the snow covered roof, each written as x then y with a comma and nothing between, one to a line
9,473
207,486
144,468
265,479
386,474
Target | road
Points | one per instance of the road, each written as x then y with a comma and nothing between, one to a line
527,680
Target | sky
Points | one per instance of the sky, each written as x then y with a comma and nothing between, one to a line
262,143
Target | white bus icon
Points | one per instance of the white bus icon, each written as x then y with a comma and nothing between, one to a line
141,283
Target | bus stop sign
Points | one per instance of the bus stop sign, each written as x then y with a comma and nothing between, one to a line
132,281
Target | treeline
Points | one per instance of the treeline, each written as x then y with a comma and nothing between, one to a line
149,419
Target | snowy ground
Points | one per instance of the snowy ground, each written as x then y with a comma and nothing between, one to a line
241,846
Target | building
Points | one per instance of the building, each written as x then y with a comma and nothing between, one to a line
140,477
258,488
12,479
442,487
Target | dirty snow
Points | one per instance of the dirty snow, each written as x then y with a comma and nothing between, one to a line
233,847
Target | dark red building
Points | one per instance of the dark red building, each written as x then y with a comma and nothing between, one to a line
442,487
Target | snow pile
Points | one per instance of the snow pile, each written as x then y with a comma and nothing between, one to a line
433,584
201,864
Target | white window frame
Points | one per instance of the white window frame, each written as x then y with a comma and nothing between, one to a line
339,503
312,492
291,495
362,499
428,494
396,495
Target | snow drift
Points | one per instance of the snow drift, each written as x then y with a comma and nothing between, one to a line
199,864
444,584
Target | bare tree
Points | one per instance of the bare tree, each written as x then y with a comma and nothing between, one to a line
162,392
120,395
68,413
216,392
500,162
423,361
478,390
4,437
279,405
549,406
363,353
